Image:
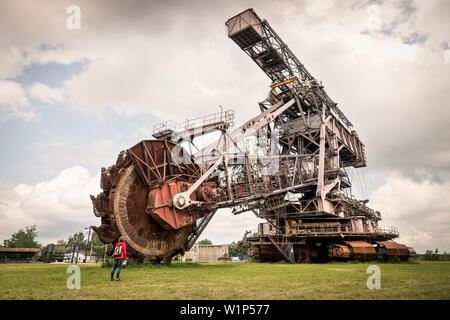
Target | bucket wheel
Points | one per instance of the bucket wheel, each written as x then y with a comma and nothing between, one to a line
125,203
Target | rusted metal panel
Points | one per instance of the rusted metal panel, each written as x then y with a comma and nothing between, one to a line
161,208
361,250
339,251
158,160
268,252
391,249
391,245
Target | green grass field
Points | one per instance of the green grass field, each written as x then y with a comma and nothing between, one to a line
229,280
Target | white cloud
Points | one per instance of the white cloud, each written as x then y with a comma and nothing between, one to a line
12,94
171,84
420,209
44,93
95,153
59,207
14,102
12,61
44,55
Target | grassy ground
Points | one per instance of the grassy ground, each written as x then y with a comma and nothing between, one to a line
229,280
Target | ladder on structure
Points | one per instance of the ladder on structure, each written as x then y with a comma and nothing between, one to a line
286,250
198,231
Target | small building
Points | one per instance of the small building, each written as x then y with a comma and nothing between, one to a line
19,254
206,253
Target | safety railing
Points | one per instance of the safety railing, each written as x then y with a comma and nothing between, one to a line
223,116
387,230
335,229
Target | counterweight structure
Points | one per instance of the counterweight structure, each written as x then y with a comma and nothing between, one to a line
160,196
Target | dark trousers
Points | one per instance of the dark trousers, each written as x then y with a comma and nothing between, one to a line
118,266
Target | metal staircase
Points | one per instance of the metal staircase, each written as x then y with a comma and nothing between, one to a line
198,231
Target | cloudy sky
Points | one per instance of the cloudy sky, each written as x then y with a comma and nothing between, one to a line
71,99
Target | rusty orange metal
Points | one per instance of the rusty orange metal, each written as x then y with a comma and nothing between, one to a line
362,250
161,208
339,251
142,180
391,249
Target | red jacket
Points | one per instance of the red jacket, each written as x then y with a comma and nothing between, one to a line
124,250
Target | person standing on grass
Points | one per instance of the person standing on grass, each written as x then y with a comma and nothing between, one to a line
119,255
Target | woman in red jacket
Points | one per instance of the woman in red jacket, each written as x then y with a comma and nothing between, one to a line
119,255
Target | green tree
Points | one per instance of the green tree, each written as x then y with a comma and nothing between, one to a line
95,240
77,238
444,256
238,249
430,255
23,239
205,241
61,242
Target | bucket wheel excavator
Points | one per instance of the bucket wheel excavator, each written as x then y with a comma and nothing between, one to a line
288,165
136,201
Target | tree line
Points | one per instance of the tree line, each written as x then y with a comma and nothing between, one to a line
431,255
26,238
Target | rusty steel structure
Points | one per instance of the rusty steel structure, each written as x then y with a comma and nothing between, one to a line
288,165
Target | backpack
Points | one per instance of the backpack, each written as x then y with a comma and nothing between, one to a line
118,250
